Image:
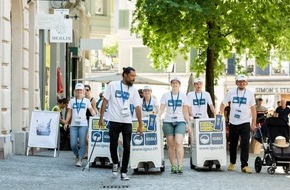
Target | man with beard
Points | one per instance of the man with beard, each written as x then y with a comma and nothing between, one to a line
120,94
242,107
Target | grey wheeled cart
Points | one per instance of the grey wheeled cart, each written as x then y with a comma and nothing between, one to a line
147,149
208,144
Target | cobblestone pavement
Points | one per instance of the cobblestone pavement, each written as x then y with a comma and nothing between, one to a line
43,171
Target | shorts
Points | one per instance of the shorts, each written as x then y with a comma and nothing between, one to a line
173,128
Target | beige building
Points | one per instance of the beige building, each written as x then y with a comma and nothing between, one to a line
19,72
29,65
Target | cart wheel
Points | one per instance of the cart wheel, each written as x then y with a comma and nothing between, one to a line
258,164
271,170
191,165
210,163
103,161
94,164
218,166
146,167
136,170
286,169
162,169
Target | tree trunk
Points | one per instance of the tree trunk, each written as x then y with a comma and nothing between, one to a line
210,61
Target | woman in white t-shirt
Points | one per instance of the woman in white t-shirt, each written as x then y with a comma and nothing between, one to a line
76,112
150,104
176,123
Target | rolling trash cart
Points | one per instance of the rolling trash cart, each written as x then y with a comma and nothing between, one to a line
147,148
99,143
208,143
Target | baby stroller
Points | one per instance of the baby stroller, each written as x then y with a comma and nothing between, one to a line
273,155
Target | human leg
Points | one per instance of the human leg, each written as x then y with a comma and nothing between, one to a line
180,130
126,133
74,140
244,144
234,138
114,136
168,131
83,130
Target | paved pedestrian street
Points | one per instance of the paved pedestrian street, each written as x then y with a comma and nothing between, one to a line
43,171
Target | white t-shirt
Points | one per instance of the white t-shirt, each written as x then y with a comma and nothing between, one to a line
79,108
198,103
175,102
132,109
241,102
150,107
106,114
118,105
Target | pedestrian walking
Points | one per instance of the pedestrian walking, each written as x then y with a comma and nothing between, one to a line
283,111
242,106
120,94
175,124
150,104
198,101
76,112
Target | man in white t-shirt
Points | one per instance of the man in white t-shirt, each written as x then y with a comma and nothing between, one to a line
119,94
243,108
198,101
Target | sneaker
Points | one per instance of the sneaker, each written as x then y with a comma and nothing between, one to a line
180,169
115,170
78,162
173,169
124,177
231,167
247,170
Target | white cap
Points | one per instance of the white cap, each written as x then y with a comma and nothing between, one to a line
241,78
147,88
79,86
197,80
175,78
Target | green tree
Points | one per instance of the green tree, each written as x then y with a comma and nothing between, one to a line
216,29
111,50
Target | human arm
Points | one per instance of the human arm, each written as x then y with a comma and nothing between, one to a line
161,110
68,118
212,109
102,110
186,117
254,118
222,108
139,117
94,103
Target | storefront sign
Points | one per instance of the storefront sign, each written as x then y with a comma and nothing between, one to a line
272,90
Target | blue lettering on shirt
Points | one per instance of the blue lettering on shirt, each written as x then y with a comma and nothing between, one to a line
118,94
147,108
82,106
177,103
239,100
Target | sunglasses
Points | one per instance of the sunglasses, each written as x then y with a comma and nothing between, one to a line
87,89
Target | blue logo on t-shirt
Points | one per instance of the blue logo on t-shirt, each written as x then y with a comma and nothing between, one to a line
118,94
177,103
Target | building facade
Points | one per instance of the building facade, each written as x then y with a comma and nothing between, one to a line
19,81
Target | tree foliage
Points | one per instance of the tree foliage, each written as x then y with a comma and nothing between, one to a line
216,28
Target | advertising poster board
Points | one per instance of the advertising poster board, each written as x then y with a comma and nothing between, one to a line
44,129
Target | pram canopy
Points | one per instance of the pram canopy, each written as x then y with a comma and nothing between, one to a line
276,127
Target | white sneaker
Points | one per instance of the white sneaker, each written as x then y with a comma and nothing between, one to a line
124,177
115,170
78,162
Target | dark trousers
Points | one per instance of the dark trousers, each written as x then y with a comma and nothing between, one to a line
126,130
236,131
